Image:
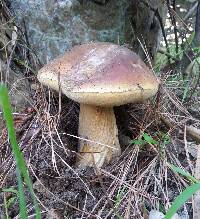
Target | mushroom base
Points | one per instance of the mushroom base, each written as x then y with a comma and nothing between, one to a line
97,125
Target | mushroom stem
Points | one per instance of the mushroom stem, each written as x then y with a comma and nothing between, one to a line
97,124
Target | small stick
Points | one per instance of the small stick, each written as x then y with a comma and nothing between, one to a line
192,131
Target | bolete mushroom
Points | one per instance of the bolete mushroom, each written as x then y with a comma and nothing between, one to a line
99,76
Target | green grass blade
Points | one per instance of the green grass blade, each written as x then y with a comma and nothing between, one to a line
7,113
184,173
22,201
149,139
181,199
11,190
37,209
4,101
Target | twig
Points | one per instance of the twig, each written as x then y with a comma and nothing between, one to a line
190,12
193,132
173,20
175,26
196,39
74,136
186,149
157,14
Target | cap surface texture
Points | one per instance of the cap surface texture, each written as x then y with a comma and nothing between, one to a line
101,74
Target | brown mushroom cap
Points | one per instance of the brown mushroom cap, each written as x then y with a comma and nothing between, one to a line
102,74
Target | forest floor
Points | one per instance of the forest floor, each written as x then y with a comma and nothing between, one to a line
141,179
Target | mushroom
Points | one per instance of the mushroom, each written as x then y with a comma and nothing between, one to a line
99,76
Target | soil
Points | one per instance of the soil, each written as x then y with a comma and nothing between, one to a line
66,191
61,186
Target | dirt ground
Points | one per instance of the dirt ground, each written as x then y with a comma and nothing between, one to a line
139,176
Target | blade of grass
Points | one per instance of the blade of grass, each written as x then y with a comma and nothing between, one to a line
184,173
181,199
7,114
11,190
22,201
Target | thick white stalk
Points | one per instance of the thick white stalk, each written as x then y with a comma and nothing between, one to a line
97,124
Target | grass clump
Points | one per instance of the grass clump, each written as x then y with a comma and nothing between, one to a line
21,169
